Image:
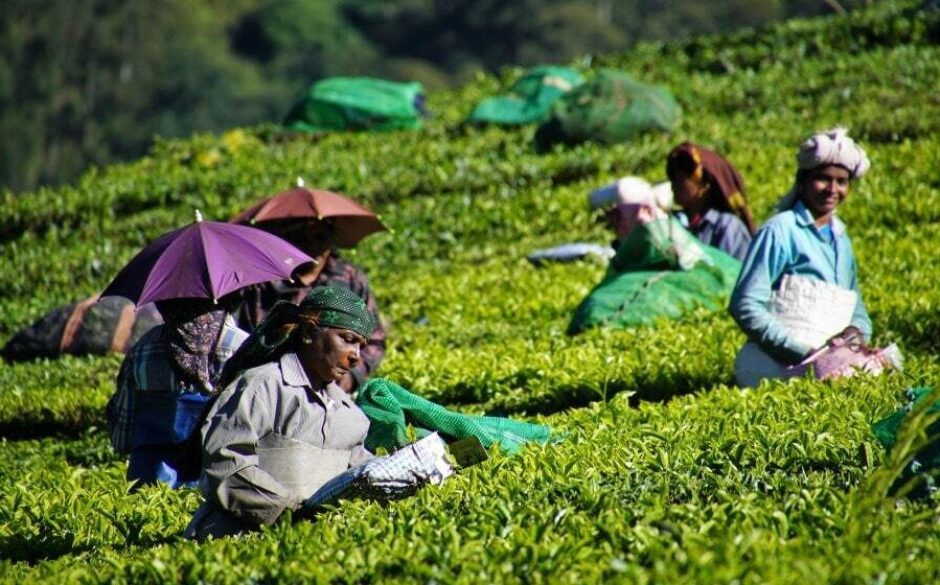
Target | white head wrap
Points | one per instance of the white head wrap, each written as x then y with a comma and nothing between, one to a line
831,147
633,190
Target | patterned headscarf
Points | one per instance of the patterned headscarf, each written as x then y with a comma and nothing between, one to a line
726,185
190,332
324,306
831,147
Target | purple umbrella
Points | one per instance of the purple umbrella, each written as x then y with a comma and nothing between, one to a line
207,260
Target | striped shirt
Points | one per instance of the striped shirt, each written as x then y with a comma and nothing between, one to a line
148,367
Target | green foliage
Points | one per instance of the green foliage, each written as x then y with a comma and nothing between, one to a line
668,474
88,82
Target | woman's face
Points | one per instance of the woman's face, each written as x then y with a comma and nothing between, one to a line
687,191
626,216
310,236
824,188
331,354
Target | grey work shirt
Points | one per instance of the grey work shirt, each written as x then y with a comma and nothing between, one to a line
274,404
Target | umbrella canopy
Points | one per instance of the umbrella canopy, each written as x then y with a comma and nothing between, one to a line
351,221
206,259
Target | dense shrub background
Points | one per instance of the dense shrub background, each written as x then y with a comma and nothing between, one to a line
668,472
90,82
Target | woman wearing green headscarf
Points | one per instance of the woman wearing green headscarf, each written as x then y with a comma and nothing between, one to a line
283,427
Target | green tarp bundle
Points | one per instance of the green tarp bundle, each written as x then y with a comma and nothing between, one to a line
609,108
356,103
392,409
530,98
925,463
660,270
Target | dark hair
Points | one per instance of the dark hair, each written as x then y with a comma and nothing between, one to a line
682,161
190,308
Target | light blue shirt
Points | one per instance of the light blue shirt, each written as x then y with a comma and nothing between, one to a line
790,243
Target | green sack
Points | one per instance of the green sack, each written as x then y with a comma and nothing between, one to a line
530,98
660,270
610,108
391,409
927,460
356,103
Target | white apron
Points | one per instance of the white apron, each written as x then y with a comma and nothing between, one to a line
810,310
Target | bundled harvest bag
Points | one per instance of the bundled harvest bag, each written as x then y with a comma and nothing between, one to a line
89,327
357,103
660,270
922,469
530,98
610,108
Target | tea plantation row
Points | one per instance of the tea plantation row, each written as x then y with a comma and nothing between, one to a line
715,485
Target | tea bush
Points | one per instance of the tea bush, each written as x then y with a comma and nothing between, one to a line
667,472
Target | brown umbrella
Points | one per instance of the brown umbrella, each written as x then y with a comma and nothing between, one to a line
351,221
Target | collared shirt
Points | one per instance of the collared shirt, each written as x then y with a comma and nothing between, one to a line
258,300
273,399
723,230
147,367
790,243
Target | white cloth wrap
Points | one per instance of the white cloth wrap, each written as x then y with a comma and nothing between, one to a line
634,190
393,476
833,147
811,311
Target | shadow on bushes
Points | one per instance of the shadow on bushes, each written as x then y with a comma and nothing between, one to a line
51,543
46,423
918,330
646,387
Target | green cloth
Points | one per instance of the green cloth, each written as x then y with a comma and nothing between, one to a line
610,108
660,270
927,460
530,98
391,409
341,308
356,103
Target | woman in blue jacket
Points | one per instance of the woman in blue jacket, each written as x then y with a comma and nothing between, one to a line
799,283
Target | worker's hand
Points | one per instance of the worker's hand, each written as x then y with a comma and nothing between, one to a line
851,336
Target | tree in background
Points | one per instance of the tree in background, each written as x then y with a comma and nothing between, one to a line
93,81
90,81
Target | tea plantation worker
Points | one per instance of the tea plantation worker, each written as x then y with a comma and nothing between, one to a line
711,193
799,284
284,436
318,239
163,387
283,427
659,270
91,326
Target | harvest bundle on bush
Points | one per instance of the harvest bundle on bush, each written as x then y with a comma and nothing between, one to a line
357,103
530,98
922,469
88,327
610,108
660,270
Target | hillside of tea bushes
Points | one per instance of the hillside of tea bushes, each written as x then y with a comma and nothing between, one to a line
668,472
